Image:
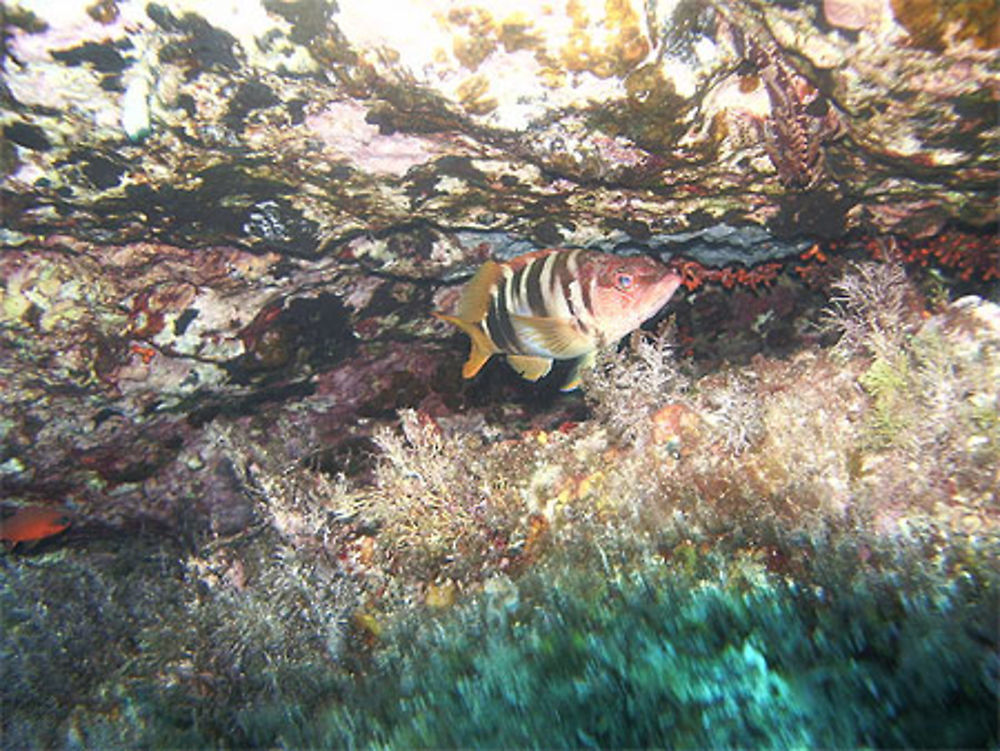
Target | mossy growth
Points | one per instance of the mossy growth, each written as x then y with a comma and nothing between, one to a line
627,386
613,648
886,381
68,623
607,644
220,661
934,399
728,559
929,430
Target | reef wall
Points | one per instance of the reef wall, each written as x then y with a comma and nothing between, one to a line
292,523
209,208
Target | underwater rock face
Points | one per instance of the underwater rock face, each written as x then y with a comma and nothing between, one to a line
218,210
293,126
771,519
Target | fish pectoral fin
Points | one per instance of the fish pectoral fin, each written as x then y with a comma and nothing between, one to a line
585,362
482,347
559,336
530,367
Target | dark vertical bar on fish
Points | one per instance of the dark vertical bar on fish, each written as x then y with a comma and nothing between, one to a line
560,275
533,284
498,324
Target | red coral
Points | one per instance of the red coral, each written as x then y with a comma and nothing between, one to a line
146,353
972,255
693,275
821,264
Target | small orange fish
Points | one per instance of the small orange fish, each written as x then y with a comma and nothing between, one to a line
29,524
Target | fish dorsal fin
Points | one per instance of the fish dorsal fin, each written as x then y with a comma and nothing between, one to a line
557,336
482,348
475,300
524,259
530,367
573,382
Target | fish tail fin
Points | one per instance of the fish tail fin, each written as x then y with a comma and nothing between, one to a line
482,347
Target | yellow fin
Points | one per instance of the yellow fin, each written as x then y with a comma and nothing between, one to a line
475,299
529,367
482,347
573,382
558,336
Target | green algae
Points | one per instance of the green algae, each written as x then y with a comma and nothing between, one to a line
604,647
640,656
886,382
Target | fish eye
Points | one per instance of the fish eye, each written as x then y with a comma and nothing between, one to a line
624,281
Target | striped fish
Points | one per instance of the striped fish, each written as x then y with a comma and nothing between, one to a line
557,304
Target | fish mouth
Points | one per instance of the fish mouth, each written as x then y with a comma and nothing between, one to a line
664,288
658,295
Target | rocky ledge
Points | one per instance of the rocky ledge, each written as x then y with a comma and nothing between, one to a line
210,208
